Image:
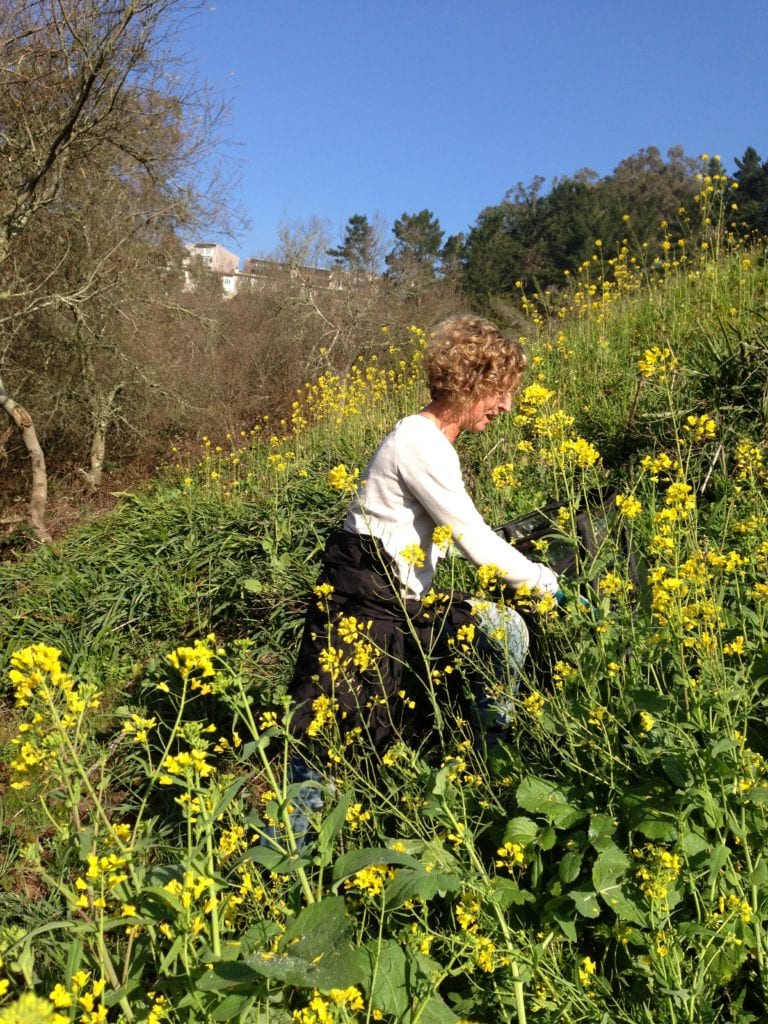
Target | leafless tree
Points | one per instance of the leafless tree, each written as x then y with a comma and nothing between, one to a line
92,111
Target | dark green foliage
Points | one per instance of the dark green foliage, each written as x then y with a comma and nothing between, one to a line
752,179
358,250
417,248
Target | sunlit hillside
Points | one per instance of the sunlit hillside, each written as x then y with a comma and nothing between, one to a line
606,861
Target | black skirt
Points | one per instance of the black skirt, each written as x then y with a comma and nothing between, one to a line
371,652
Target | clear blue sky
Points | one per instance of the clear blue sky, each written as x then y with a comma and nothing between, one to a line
364,106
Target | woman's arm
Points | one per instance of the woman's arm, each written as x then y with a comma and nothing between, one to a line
429,467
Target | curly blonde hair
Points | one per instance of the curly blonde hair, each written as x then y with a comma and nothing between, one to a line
469,358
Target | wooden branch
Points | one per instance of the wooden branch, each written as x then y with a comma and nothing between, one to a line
39,492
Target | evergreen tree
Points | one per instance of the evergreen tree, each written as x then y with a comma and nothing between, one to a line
359,250
752,194
417,248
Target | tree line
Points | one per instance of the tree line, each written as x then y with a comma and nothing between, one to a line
535,235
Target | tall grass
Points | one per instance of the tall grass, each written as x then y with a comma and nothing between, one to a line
605,862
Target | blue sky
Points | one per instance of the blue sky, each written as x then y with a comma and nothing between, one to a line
356,106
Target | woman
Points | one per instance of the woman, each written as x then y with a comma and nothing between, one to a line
375,636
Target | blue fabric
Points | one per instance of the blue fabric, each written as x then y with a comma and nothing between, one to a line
309,800
503,641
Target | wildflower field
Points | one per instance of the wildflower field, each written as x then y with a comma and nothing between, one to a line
605,862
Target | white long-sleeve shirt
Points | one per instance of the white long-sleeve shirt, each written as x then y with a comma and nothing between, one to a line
414,483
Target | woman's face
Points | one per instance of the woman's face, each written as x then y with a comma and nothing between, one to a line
476,417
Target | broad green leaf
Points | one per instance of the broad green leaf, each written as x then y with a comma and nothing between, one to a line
412,883
330,828
610,865
231,1006
506,893
718,859
677,770
520,830
541,797
601,828
274,860
570,866
436,1011
657,828
548,838
722,745
354,861
624,908
586,903
228,974
388,977
316,950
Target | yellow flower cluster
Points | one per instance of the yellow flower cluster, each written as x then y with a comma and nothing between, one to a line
37,666
552,431
658,871
731,907
414,556
321,1011
489,576
503,476
534,704
510,856
324,709
102,882
371,880
629,506
189,766
196,665
750,463
700,429
58,707
342,479
442,537
659,363
356,816
587,971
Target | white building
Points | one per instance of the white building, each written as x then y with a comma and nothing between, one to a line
214,257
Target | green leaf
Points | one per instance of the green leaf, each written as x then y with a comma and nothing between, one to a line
694,843
388,977
601,828
657,828
720,857
436,1011
541,797
570,866
610,865
418,883
316,950
506,893
722,745
624,908
330,828
231,1006
228,974
677,771
548,838
253,585
520,830
354,861
586,903
759,876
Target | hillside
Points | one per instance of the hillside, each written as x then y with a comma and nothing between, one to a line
606,862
